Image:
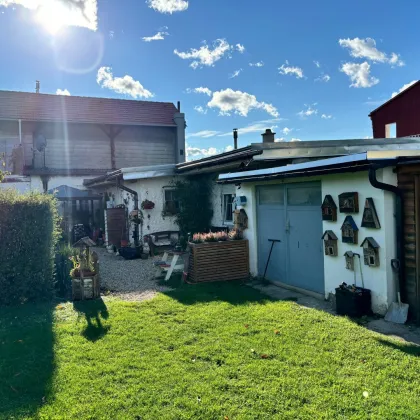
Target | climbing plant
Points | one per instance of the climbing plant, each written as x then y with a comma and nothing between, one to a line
195,210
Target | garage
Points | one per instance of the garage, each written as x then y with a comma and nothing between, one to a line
291,214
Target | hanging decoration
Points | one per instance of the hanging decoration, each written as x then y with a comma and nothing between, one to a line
349,202
370,252
329,209
370,217
330,243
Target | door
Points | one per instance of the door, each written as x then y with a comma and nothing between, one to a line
292,214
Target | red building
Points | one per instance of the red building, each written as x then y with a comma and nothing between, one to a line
400,116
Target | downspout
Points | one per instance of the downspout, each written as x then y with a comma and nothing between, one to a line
136,207
399,223
20,132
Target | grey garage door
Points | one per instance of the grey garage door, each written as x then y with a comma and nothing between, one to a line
292,214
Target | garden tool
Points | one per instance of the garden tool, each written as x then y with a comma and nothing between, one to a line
273,241
398,311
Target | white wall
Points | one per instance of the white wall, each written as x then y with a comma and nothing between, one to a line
151,189
380,279
217,200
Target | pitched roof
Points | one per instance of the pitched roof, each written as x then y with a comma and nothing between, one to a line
397,96
329,235
371,242
350,221
77,109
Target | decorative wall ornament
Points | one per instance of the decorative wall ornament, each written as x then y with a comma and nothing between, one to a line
330,243
349,231
370,252
349,256
370,217
329,209
349,202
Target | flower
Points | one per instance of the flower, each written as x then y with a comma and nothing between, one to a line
365,394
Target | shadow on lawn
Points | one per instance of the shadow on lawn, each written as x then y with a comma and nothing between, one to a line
408,348
233,292
26,358
93,311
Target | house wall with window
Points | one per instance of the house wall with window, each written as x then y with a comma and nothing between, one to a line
152,189
222,197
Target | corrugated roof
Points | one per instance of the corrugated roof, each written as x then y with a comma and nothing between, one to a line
77,109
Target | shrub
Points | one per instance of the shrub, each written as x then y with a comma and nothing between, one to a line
63,265
28,235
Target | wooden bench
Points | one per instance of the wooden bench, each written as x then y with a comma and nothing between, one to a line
159,241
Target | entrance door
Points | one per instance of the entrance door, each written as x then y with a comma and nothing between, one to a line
296,220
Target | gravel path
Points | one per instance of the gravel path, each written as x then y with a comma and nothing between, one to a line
132,280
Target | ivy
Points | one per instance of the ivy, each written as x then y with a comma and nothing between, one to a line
195,208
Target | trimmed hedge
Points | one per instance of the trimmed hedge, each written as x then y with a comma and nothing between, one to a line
28,235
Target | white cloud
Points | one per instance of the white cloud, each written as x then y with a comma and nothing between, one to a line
228,148
280,140
125,85
295,139
324,78
366,48
200,109
200,89
200,153
317,63
168,6
205,55
308,111
257,64
157,37
240,48
359,74
204,134
363,48
286,69
395,60
257,127
286,130
236,73
241,103
404,88
326,116
63,92
54,14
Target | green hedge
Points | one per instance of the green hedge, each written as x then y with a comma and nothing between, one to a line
28,235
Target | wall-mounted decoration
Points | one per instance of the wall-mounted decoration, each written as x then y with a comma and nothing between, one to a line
370,252
349,231
370,217
349,202
330,243
329,209
240,219
349,256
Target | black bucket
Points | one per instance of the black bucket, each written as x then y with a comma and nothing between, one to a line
353,301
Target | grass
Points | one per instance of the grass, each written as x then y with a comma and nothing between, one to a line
219,351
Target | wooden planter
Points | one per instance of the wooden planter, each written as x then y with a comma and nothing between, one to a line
85,288
219,261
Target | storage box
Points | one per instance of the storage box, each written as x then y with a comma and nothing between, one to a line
353,303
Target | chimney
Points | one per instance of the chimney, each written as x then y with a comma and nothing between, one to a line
268,136
235,138
179,106
37,84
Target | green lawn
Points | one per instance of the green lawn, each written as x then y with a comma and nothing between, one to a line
219,351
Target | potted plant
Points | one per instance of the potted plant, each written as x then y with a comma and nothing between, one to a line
147,205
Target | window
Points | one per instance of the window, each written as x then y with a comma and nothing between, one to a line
304,196
271,195
391,131
171,205
228,207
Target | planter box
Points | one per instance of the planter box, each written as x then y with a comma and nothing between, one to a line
219,261
353,304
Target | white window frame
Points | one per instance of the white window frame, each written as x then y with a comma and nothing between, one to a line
225,208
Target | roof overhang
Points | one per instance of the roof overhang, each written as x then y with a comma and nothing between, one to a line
341,164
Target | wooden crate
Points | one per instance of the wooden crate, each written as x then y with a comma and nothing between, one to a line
219,261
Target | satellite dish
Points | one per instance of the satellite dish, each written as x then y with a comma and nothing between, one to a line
40,142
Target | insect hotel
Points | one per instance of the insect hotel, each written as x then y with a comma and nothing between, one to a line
330,243
349,231
329,209
370,252
85,274
349,202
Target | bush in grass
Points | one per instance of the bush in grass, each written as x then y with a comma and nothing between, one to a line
28,235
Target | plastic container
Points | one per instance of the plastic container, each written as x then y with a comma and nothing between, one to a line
353,303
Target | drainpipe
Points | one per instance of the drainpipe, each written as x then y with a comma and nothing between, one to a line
399,222
136,207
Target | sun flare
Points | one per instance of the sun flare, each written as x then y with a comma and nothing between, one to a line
53,17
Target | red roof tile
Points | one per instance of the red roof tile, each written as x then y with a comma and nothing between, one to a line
41,107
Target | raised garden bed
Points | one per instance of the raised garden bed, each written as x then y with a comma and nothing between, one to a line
219,261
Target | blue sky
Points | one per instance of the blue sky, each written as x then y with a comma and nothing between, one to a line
318,68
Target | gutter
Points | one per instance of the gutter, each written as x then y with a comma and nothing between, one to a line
399,215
